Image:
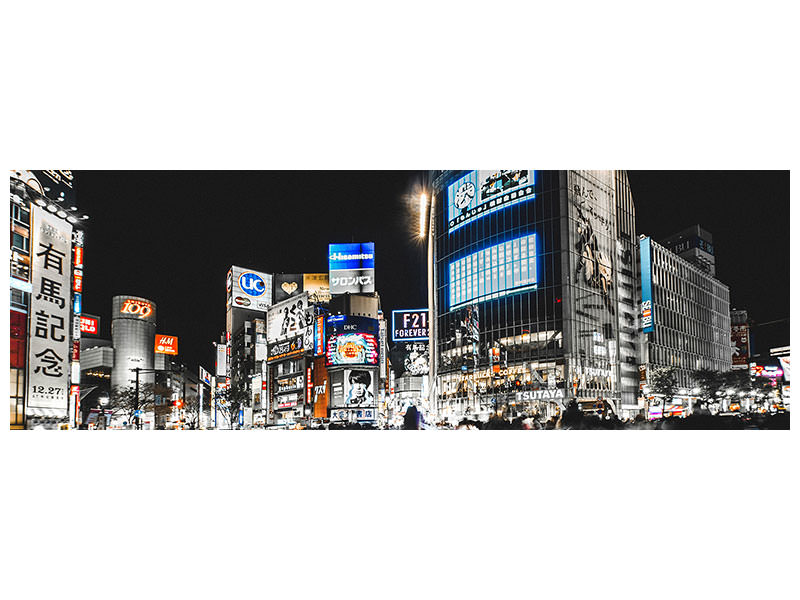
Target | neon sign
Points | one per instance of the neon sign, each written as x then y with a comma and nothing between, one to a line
137,308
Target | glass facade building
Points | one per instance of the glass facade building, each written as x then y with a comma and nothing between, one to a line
691,323
535,303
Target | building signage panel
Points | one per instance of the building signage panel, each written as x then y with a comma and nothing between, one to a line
286,348
166,344
645,249
479,193
410,325
319,336
554,394
222,361
318,287
249,289
289,318
351,268
90,324
49,348
740,346
286,286
205,376
348,414
494,272
137,309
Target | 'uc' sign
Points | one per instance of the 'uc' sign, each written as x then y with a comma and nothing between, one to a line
252,284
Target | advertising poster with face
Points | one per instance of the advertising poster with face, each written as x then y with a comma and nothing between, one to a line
359,388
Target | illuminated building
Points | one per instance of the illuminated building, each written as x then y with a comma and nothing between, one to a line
133,332
535,292
46,282
686,321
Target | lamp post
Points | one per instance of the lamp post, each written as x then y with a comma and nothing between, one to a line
103,402
426,211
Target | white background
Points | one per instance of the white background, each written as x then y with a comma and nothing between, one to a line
360,85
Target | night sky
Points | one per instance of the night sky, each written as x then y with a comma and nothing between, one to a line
171,237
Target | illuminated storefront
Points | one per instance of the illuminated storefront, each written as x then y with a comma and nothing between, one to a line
536,302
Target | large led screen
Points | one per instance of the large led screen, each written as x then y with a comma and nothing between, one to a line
351,340
479,193
494,272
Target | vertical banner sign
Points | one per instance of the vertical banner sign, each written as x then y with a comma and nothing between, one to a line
222,361
49,354
382,345
647,285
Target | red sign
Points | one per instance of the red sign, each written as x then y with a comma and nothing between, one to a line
78,257
77,282
309,385
166,344
89,325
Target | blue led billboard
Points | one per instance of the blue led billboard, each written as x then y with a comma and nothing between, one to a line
479,193
645,250
351,256
494,272
351,268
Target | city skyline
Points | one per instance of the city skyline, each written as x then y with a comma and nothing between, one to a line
282,222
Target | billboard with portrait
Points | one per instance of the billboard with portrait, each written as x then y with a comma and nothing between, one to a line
479,193
493,272
351,268
249,289
359,388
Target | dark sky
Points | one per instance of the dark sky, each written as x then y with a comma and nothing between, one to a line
171,236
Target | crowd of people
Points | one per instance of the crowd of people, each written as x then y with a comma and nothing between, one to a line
573,418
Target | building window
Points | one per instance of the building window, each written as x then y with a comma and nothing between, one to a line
19,242
20,214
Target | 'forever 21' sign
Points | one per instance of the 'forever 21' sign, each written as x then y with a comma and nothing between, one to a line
410,325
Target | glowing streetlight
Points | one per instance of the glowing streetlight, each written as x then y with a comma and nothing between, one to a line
423,204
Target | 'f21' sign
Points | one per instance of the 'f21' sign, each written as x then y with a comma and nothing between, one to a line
410,325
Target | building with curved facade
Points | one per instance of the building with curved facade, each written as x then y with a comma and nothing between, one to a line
133,333
535,292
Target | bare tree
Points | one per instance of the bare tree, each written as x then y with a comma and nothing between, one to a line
230,402
123,401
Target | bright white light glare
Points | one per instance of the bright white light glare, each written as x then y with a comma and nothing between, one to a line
423,203
61,214
51,208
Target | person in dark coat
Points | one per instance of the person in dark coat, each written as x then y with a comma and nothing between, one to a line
411,418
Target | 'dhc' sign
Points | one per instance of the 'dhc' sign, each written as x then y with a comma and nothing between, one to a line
410,325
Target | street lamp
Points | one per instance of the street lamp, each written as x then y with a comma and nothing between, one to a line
103,402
